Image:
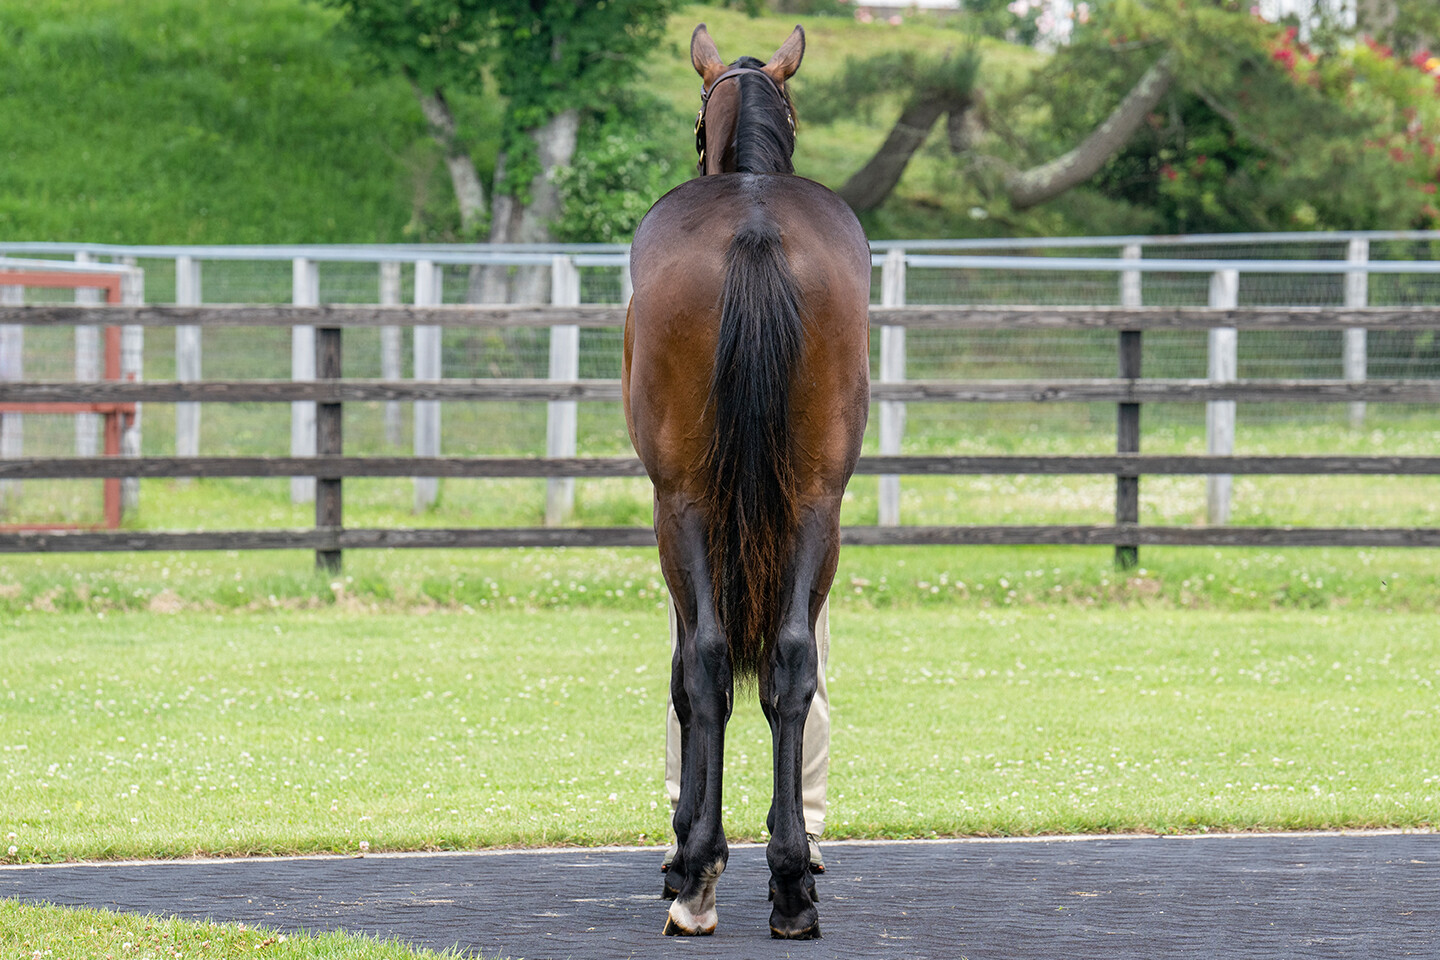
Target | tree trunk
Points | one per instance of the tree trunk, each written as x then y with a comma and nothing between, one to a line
530,223
965,128
469,193
1038,184
872,183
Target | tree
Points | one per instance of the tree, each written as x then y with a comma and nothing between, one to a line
1192,114
550,61
945,87
935,88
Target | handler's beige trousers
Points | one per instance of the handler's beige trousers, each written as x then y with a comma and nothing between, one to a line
816,746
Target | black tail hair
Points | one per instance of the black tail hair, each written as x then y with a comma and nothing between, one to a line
751,520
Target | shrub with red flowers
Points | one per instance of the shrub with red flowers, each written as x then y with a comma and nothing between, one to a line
1260,130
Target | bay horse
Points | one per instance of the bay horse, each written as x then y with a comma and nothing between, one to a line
746,385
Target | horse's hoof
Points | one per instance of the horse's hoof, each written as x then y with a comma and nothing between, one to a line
811,932
670,890
680,922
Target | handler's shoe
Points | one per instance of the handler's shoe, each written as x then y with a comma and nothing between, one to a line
669,857
817,862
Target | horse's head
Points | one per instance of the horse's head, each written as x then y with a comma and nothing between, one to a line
746,122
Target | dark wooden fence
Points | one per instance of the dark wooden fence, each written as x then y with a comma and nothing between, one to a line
330,467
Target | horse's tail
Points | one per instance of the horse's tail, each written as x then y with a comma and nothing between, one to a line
750,519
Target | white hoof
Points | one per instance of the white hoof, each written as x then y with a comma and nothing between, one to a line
683,923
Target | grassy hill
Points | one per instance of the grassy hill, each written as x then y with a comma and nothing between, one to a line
212,121
188,121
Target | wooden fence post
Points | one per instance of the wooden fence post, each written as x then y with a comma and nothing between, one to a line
627,285
329,442
1131,281
1357,294
561,421
187,358
304,292
113,430
391,349
1127,418
12,367
427,367
132,367
892,370
1220,414
87,368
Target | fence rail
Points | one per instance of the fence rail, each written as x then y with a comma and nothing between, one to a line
596,315
328,541
982,391
329,392
589,468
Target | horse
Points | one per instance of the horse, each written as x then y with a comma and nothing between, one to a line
746,388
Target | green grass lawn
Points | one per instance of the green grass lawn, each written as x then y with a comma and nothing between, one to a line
58,933
253,732
241,704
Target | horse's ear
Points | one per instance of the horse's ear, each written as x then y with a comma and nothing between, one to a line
786,61
705,56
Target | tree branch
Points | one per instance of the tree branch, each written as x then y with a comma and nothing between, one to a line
469,192
872,183
1038,184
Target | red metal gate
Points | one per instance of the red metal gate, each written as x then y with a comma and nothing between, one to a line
118,416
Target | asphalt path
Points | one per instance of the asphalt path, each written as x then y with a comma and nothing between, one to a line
1249,896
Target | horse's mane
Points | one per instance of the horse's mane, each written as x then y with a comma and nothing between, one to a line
764,140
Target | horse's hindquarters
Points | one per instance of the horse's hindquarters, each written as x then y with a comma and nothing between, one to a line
678,269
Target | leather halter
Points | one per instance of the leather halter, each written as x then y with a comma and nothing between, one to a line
705,93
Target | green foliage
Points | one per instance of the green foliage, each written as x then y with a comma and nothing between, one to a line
565,54
752,7
542,57
817,8
994,18
623,163
436,43
855,90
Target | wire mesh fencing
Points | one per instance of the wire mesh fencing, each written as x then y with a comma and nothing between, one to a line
358,276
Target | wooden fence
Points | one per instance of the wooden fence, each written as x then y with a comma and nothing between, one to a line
329,392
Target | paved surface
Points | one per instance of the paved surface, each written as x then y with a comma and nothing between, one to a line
1234,897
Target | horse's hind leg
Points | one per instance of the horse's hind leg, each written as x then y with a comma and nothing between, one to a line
786,689
680,704
701,687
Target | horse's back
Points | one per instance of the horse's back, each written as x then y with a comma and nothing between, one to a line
688,231
678,269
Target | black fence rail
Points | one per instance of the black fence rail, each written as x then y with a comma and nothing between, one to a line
330,467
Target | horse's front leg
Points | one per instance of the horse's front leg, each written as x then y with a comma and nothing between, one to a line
702,688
